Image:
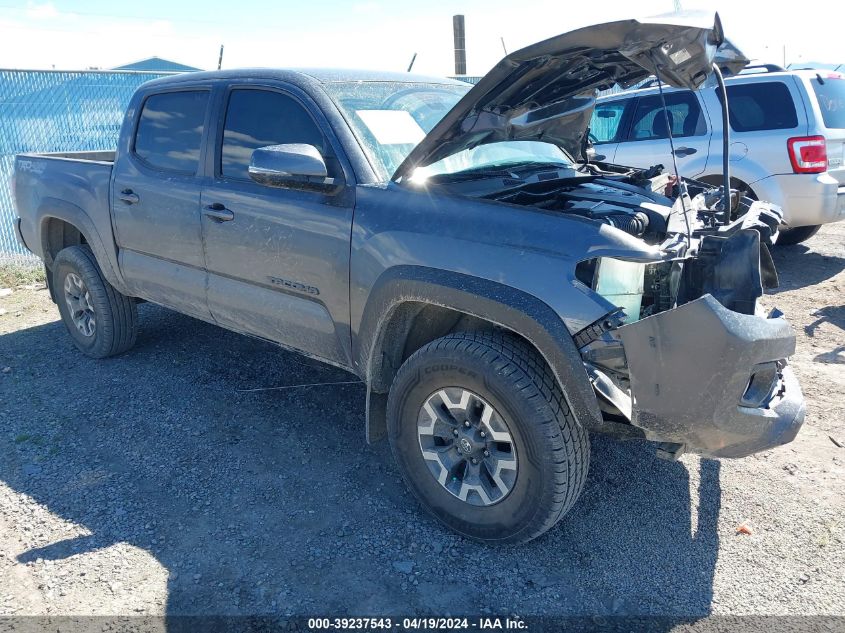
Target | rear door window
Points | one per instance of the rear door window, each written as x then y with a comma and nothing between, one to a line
760,106
170,128
830,93
685,117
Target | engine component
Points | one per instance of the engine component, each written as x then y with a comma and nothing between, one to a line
635,224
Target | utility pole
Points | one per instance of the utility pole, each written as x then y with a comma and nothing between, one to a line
459,32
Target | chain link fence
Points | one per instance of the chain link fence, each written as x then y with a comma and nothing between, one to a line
56,111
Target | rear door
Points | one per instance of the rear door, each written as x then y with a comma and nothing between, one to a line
279,263
646,142
155,201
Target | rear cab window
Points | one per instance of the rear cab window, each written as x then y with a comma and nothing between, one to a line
830,94
170,130
760,106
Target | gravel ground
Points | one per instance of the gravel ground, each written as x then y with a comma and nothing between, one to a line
149,484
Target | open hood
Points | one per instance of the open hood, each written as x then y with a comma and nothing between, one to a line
547,91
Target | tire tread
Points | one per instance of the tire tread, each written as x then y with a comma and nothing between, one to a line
118,333
532,379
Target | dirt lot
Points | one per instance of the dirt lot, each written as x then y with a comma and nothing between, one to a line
150,484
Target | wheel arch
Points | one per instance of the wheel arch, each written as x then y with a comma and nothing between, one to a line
736,183
410,306
63,224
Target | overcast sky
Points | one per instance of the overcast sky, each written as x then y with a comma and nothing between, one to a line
375,34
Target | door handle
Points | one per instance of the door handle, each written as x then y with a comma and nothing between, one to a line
218,212
127,196
685,151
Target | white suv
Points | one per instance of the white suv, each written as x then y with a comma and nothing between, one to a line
787,139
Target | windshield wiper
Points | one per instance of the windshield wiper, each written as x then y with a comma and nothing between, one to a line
472,174
505,171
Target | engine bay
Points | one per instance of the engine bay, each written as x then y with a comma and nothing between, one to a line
637,210
700,253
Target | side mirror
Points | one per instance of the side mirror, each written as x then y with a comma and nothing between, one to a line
593,156
291,166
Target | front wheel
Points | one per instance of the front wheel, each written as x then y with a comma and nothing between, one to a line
797,235
484,437
101,321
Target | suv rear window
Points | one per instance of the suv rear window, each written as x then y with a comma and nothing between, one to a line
830,93
760,106
170,130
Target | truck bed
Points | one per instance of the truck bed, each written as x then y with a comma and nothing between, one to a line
69,186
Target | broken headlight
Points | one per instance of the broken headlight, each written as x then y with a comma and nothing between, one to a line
639,289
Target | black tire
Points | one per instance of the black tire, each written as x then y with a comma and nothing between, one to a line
552,448
788,237
115,316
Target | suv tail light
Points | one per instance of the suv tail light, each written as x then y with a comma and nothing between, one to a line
808,154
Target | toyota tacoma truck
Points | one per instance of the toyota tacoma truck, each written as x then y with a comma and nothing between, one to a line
501,295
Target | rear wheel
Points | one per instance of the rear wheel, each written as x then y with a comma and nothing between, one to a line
797,235
101,321
484,437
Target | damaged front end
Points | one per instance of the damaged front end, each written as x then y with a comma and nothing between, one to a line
688,359
682,355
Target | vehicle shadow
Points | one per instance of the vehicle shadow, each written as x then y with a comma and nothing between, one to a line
798,266
271,502
835,315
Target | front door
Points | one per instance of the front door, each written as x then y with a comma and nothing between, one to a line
277,258
155,202
607,126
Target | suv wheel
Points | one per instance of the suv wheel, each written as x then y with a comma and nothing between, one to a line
484,437
799,234
101,321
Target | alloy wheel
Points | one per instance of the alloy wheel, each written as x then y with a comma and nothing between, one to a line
467,446
78,300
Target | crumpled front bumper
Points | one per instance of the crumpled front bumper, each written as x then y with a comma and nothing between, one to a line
691,372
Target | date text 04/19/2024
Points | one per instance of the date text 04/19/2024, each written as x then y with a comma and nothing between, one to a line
418,623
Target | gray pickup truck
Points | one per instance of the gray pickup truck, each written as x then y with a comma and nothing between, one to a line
500,295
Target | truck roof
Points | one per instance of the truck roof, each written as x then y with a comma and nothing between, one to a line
314,75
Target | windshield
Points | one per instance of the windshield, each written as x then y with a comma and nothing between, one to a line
389,118
830,92
499,155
